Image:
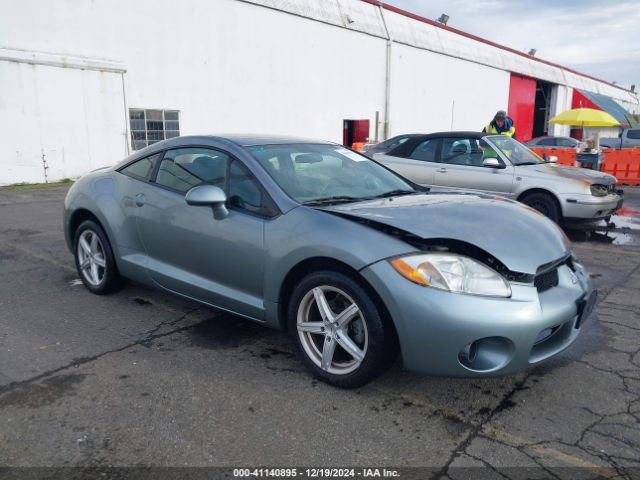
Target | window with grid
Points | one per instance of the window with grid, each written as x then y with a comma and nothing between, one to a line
152,126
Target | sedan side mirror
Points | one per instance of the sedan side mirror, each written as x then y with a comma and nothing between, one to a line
209,196
552,159
491,163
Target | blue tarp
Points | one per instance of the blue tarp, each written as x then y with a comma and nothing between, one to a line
612,107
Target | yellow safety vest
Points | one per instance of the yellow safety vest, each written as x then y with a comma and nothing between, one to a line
494,131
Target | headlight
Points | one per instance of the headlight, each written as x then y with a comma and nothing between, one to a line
453,273
599,190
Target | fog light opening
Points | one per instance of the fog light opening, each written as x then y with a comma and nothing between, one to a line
468,354
486,354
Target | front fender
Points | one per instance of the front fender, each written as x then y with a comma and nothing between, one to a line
305,233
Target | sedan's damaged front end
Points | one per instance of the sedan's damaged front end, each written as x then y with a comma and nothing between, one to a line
591,202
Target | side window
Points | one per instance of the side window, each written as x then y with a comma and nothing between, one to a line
462,151
185,168
633,133
396,142
547,142
426,151
245,193
141,168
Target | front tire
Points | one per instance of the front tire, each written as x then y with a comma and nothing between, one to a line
337,329
94,259
543,203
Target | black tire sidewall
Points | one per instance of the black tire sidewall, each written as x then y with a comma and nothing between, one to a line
545,199
374,360
111,280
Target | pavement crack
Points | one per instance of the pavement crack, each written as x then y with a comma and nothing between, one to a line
149,337
477,429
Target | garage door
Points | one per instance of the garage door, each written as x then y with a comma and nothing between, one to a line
58,122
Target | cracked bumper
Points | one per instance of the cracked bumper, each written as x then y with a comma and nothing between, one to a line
589,207
434,326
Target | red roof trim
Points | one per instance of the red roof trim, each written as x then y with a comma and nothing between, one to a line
399,11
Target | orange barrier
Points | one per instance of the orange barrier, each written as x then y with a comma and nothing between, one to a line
623,164
566,156
357,146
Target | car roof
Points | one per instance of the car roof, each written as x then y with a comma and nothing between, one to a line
414,141
239,140
455,135
410,135
553,136
248,140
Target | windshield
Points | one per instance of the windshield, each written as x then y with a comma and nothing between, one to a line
311,173
516,152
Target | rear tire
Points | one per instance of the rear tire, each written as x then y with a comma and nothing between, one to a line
344,342
94,259
543,203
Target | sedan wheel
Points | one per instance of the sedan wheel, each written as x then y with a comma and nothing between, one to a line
544,203
94,259
337,329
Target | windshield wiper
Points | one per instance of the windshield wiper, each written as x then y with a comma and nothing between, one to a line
527,163
330,200
347,198
395,193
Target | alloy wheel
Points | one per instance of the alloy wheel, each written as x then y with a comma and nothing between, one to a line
332,330
91,257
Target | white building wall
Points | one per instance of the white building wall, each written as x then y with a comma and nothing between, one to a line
432,92
296,67
413,32
58,122
226,65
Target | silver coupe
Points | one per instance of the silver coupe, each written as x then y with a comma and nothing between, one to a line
354,261
500,165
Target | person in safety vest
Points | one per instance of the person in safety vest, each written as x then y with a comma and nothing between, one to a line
501,125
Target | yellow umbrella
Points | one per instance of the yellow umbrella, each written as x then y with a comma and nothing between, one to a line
585,117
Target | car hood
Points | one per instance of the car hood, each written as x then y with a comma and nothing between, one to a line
518,236
572,173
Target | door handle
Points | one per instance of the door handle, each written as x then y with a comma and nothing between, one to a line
442,170
140,199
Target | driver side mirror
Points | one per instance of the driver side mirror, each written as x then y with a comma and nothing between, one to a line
209,196
492,163
552,159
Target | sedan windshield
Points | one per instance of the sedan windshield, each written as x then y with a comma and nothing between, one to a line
323,174
516,152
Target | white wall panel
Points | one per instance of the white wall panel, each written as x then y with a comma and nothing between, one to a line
431,92
73,118
561,97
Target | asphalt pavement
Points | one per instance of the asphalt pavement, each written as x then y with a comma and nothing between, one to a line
145,378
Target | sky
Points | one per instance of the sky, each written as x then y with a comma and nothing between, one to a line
597,37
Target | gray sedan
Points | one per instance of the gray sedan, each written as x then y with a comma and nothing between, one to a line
553,142
354,261
500,165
